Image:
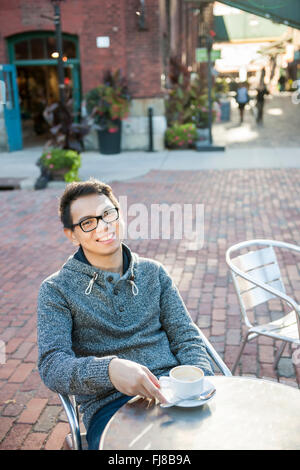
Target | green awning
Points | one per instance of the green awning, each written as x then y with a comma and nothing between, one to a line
281,11
234,27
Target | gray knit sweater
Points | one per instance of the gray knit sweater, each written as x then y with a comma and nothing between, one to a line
87,316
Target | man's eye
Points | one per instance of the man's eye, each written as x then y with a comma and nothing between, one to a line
87,223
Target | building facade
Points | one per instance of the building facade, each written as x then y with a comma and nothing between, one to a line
136,36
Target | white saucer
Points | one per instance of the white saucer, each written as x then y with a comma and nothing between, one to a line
169,394
193,403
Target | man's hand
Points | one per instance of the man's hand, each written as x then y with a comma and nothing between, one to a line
133,379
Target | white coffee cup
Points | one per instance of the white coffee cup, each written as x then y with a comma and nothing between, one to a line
186,380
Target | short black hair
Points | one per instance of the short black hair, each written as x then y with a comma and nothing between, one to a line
79,189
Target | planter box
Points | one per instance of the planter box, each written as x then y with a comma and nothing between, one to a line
58,175
110,142
135,128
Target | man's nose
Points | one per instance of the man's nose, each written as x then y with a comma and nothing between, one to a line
102,226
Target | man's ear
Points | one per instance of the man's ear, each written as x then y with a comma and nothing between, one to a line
71,236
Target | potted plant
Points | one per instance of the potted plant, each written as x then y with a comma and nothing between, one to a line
107,105
61,158
181,136
61,164
187,103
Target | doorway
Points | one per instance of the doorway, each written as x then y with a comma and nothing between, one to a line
38,88
36,63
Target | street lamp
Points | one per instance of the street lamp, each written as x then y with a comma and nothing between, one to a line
206,41
209,42
141,13
59,48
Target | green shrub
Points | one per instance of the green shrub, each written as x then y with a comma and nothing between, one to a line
181,135
188,103
109,101
55,159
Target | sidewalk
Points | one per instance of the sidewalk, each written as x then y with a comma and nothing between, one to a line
247,193
129,165
276,144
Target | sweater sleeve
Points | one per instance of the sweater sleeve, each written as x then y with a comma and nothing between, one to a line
59,368
185,342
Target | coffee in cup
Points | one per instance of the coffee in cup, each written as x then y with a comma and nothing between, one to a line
187,380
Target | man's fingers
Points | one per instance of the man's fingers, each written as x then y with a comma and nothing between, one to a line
152,377
154,386
154,392
145,393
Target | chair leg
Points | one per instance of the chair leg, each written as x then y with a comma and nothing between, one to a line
279,354
239,354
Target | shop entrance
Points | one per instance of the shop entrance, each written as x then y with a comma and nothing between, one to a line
35,58
38,87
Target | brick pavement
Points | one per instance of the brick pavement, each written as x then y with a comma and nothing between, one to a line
239,205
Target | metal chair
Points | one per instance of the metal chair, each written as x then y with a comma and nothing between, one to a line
72,411
257,279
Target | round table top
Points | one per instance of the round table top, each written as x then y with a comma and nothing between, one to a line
245,413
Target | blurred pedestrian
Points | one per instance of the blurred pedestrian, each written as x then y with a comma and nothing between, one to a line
260,101
281,83
242,98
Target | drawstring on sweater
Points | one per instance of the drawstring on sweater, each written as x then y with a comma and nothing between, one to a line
134,287
89,288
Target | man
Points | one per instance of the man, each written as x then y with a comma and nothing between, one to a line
110,323
242,98
260,101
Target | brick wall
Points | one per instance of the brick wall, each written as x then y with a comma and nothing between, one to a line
137,53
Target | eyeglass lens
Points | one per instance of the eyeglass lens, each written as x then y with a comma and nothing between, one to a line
91,223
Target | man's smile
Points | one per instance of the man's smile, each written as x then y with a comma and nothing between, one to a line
106,238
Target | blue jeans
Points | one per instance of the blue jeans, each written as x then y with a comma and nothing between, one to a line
100,419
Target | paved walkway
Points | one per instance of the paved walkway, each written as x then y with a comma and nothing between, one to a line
276,144
280,125
239,204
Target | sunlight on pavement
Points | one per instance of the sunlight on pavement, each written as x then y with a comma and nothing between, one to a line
242,133
274,111
280,126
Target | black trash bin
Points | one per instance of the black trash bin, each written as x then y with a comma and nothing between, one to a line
110,142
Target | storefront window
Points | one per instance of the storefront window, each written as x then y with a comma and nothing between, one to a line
51,46
69,49
37,48
22,50
40,48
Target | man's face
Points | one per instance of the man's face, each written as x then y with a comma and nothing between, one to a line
103,240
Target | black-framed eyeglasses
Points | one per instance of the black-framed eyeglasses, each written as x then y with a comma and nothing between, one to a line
91,223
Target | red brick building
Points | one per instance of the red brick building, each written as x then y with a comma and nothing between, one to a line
137,36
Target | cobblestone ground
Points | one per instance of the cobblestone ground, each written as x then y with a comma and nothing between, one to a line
280,127
239,205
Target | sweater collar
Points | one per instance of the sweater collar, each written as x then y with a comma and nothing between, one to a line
75,265
80,256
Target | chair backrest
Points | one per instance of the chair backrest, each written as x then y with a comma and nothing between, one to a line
71,410
262,266
216,358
